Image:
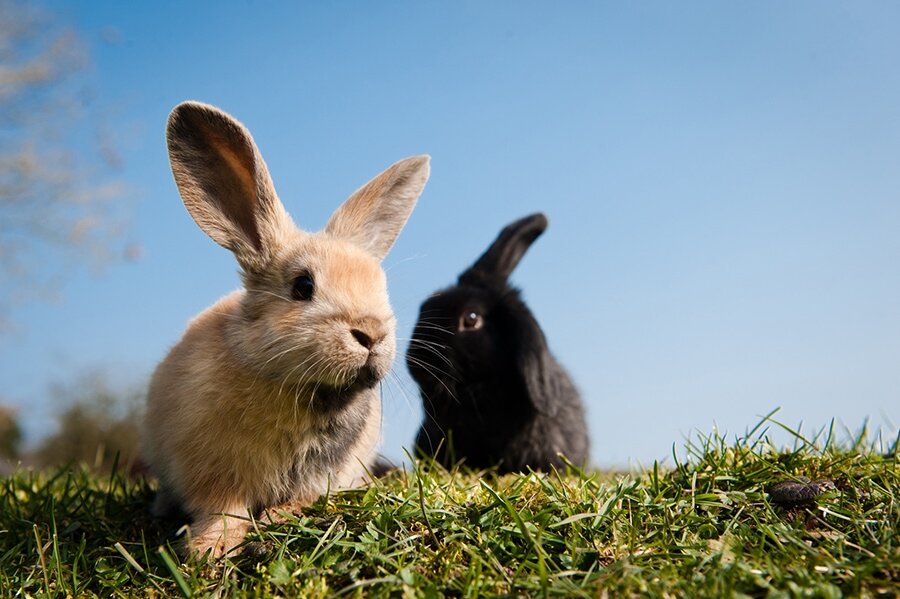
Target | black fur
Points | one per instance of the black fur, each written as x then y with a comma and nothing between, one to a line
493,395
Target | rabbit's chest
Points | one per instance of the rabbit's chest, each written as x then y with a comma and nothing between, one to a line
323,448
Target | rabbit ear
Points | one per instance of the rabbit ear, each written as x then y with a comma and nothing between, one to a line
374,215
225,184
504,254
538,369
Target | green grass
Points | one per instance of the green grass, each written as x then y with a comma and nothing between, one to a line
703,527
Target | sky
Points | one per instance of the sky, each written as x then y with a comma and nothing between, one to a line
722,182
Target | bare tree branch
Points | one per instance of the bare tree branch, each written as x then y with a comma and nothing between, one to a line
59,200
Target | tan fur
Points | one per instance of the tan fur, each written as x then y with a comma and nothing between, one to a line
354,218
242,413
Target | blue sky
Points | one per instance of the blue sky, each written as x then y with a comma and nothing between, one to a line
722,182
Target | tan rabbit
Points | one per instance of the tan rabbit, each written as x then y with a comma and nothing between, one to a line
271,395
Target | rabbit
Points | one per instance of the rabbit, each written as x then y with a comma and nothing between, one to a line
493,394
270,397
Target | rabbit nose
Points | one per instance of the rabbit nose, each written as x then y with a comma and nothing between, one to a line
363,338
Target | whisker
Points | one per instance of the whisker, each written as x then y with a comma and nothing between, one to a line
450,374
429,369
267,292
435,351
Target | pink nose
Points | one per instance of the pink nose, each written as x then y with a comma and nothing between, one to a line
364,339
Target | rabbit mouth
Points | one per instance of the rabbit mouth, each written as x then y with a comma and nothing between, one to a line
366,378
333,398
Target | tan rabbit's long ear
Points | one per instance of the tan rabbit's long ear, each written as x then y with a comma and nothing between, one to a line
224,183
374,215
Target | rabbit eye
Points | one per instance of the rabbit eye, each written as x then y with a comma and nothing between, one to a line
303,288
471,321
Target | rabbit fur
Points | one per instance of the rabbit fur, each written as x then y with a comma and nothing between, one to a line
270,398
492,393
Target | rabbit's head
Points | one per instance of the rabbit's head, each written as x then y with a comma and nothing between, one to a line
481,329
315,309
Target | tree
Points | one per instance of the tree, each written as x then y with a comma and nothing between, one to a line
59,201
96,422
10,434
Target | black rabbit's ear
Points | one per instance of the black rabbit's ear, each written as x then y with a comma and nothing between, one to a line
538,369
504,254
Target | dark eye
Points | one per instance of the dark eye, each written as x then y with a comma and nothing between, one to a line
470,321
303,288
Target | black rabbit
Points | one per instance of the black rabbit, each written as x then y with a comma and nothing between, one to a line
493,393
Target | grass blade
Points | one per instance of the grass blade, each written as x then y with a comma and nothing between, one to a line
176,575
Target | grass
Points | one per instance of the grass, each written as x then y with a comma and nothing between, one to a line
703,527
